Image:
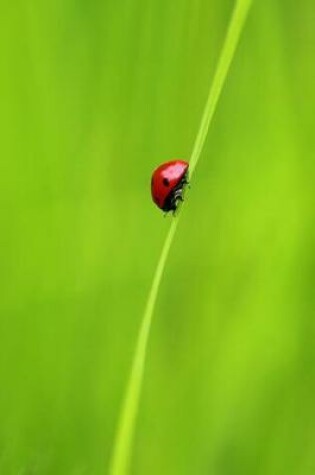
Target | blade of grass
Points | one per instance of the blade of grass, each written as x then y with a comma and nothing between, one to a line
125,430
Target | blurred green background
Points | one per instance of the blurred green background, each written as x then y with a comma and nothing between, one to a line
93,96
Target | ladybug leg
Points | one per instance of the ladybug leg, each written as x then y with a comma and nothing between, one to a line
187,183
185,179
178,196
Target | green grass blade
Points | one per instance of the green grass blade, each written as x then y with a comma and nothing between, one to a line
125,430
124,435
231,40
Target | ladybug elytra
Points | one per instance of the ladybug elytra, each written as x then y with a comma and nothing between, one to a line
168,183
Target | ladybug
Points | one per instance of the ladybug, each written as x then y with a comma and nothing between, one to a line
168,183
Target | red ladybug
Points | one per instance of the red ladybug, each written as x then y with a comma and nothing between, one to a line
167,184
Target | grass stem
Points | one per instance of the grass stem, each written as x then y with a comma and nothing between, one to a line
126,426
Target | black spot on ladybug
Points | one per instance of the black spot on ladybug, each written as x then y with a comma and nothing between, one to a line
166,182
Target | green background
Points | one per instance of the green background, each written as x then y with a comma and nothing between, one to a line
93,96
